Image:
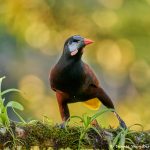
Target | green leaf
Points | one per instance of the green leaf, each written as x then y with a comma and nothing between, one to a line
71,117
122,141
78,117
86,120
137,124
4,117
110,146
100,113
1,79
130,141
116,139
96,130
19,116
10,90
15,104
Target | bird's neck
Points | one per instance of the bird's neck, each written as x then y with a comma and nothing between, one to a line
69,64
71,59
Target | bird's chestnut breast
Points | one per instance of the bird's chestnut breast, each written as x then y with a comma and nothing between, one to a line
67,78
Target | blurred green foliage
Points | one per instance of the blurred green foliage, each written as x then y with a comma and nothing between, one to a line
32,34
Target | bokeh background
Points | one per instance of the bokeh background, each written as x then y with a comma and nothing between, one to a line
32,34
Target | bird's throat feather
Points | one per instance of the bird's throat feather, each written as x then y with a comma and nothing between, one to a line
70,77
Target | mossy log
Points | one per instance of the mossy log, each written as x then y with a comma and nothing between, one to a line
47,136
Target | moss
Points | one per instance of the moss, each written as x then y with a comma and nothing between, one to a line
45,135
141,138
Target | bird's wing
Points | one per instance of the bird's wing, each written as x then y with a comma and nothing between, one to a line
90,77
52,77
91,80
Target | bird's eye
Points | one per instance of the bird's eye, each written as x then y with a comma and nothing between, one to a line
75,40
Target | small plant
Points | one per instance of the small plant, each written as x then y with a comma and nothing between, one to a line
121,139
5,123
4,119
86,124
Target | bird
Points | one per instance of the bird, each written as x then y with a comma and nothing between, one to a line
74,81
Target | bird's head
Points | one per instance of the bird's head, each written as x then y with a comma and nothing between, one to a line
74,45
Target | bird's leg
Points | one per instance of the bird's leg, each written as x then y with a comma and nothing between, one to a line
122,123
63,107
104,98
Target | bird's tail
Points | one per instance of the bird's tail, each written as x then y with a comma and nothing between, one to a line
93,104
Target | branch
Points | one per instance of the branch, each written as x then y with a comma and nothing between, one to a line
46,136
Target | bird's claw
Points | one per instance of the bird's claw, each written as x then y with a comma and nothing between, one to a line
61,126
122,124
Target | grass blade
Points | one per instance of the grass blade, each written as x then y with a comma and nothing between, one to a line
122,141
10,90
22,120
116,139
78,117
96,130
100,113
15,104
1,79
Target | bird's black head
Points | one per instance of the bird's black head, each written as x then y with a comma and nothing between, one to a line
74,45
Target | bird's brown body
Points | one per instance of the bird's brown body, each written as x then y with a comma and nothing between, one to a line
74,81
